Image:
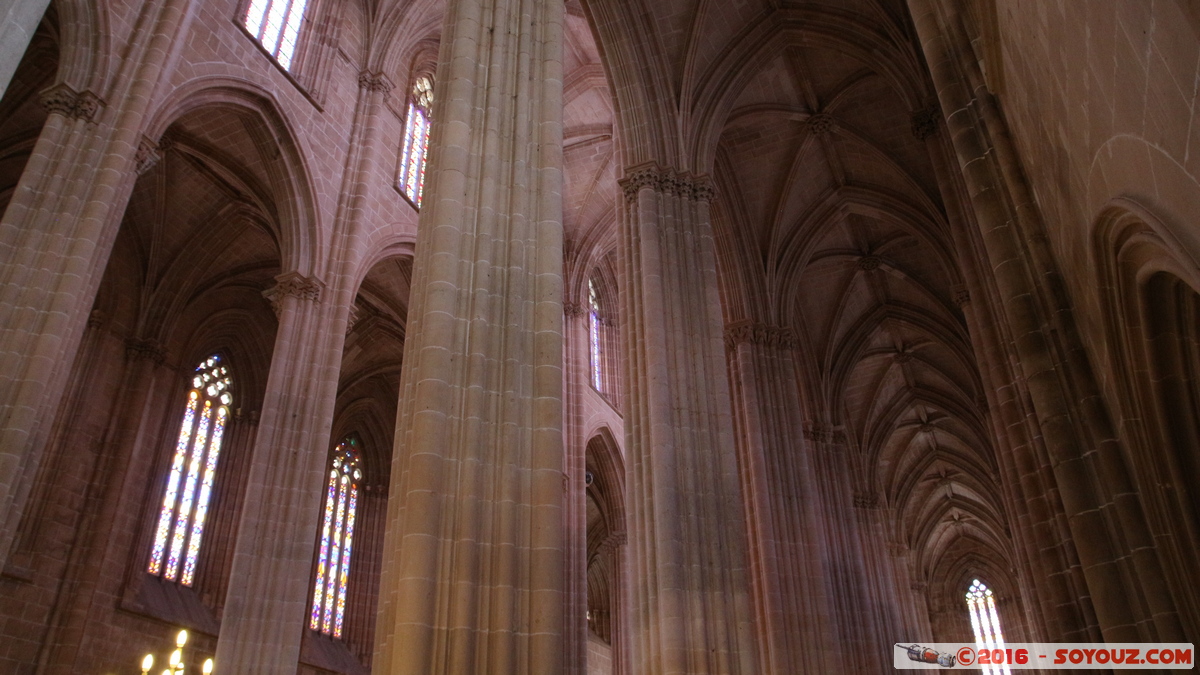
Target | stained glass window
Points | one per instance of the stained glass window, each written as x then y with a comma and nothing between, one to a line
275,24
337,537
594,323
416,141
190,481
985,621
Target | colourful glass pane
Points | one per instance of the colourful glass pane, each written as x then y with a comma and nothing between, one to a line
985,622
594,335
276,26
406,152
255,14
416,141
334,559
189,492
184,510
206,485
322,560
416,157
337,538
344,575
273,26
291,30
168,506
424,157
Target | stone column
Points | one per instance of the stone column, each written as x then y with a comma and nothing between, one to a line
473,559
691,609
785,528
270,575
17,24
861,645
1047,565
59,229
1119,559
575,381
267,604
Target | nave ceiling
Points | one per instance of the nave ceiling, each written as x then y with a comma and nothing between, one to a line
813,121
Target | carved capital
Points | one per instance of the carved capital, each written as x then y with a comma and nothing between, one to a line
667,181
375,82
866,500
613,541
749,332
87,106
147,155
574,310
293,284
925,122
961,295
137,349
896,549
823,433
61,99
645,176
356,313
821,124
97,319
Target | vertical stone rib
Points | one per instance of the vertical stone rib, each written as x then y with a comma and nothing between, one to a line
1110,531
473,561
576,380
689,582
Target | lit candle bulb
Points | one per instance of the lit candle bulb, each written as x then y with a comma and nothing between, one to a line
147,663
181,639
176,657
208,666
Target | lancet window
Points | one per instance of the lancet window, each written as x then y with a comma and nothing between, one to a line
276,25
985,621
193,468
416,141
595,342
337,538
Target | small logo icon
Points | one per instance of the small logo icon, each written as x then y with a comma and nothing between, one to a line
927,655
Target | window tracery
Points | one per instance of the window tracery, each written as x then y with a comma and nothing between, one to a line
276,25
416,141
190,480
337,537
985,622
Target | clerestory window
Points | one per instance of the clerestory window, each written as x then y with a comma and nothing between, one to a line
985,621
416,141
595,325
337,537
193,468
276,25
